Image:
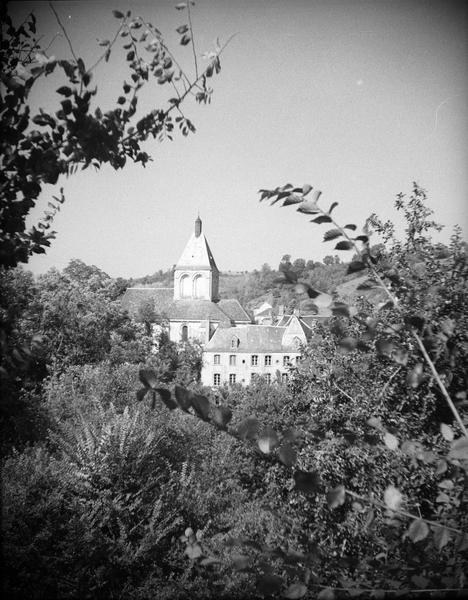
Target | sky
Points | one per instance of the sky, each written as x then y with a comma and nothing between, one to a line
357,98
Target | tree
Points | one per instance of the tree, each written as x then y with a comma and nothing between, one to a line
38,149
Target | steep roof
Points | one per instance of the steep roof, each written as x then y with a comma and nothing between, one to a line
234,310
197,254
224,311
197,310
252,338
134,297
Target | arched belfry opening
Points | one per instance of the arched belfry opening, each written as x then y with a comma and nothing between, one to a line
184,285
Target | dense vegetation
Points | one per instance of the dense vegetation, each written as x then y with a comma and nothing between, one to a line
123,478
351,477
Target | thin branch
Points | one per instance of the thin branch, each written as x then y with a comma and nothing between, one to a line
388,382
64,31
440,383
343,392
193,41
401,512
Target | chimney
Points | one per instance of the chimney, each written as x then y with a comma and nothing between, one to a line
198,226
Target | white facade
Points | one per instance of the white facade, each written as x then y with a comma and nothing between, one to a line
240,354
221,368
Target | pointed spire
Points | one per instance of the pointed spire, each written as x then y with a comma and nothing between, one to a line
198,226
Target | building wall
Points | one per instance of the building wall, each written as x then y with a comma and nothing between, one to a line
193,284
243,368
196,330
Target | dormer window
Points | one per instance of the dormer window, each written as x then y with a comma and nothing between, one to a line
234,342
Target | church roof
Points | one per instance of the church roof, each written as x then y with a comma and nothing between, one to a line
197,310
134,297
197,253
224,311
234,310
251,338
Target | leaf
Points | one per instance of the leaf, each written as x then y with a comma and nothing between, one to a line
269,584
287,454
348,343
332,234
185,39
64,91
326,594
340,309
391,441
447,432
293,199
418,530
459,449
415,376
420,581
268,440
336,497
201,406
248,429
384,346
321,219
295,591
240,562
141,394
355,266
369,284
307,482
117,14
182,29
332,207
309,207
183,397
180,6
351,226
193,551
148,378
221,415
306,188
393,497
209,561
165,396
400,356
375,422
344,245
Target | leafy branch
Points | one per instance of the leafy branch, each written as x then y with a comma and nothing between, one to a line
291,195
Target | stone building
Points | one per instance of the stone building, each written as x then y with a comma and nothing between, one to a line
240,354
192,308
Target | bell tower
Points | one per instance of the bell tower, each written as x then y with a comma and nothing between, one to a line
196,276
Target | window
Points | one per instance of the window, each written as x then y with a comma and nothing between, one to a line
216,359
254,360
234,342
285,361
184,333
232,359
268,377
284,377
267,360
232,378
297,342
185,286
197,287
216,379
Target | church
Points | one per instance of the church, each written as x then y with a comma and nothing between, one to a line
192,307
236,348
